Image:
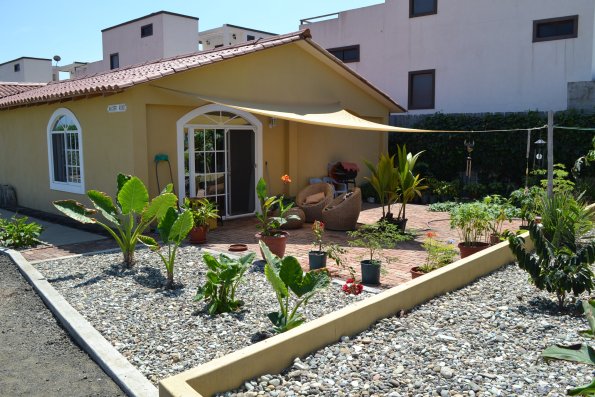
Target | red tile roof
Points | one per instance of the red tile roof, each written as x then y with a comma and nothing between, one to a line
120,79
11,88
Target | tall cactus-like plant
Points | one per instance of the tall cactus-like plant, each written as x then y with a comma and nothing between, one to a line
128,217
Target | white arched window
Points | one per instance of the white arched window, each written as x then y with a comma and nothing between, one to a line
65,152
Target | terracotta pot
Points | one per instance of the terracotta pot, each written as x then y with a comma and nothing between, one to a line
276,243
370,272
198,234
467,250
415,272
494,239
316,259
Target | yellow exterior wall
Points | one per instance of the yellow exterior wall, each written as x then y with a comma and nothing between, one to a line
107,148
128,141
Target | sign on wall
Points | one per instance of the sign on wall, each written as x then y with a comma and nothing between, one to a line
121,107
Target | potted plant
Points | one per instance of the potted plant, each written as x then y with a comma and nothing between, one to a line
409,185
472,222
439,254
203,211
269,226
374,237
525,200
317,258
499,210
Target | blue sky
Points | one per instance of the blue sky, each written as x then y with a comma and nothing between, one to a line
72,29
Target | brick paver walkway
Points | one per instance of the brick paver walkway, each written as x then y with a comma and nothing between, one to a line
405,256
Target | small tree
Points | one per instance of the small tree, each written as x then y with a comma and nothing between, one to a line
129,216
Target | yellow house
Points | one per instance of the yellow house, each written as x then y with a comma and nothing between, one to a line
224,118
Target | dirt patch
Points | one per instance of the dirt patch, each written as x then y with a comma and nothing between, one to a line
37,357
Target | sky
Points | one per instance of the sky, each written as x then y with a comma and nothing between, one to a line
72,29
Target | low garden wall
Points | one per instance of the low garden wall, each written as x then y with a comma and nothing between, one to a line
277,353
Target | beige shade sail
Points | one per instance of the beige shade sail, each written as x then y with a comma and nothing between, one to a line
329,115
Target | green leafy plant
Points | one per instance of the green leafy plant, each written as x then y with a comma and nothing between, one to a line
376,237
203,210
293,288
446,206
270,225
559,265
525,199
18,233
408,184
499,210
561,182
578,352
439,253
173,229
584,161
222,280
383,179
129,217
471,221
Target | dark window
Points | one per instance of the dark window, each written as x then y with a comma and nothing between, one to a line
418,8
114,61
555,28
346,54
250,37
17,67
146,30
422,85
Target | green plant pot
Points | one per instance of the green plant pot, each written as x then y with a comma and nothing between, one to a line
370,272
317,259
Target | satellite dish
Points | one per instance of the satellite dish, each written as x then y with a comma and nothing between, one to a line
57,58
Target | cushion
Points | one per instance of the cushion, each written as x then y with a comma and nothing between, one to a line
314,198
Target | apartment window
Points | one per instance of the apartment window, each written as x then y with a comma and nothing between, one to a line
250,37
146,30
555,28
65,152
422,85
419,8
17,67
346,54
114,61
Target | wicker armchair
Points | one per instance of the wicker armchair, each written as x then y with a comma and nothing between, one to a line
342,213
313,212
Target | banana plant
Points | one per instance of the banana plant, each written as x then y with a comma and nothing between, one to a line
580,353
287,278
173,229
223,277
128,217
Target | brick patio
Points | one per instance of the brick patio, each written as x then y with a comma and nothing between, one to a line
402,258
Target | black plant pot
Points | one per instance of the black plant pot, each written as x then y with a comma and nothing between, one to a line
370,272
317,259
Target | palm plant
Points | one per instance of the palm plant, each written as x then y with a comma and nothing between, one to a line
384,181
408,184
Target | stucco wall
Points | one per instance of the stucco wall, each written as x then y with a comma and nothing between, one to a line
483,52
107,149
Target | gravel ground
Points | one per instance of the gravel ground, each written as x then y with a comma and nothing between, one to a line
165,332
482,340
37,357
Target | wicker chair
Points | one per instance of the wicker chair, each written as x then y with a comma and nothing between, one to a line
313,212
342,213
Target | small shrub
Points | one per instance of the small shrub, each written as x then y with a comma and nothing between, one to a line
376,237
223,277
439,253
446,206
287,278
17,233
471,221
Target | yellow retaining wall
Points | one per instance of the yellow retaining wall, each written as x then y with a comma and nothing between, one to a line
277,353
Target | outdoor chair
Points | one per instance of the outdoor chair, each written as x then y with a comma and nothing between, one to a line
342,213
313,198
340,187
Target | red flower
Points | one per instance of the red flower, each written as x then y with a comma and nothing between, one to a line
345,288
349,281
286,179
431,234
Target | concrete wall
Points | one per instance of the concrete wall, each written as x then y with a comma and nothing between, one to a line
32,70
224,36
483,52
581,95
179,35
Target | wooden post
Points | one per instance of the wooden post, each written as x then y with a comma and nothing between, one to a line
550,153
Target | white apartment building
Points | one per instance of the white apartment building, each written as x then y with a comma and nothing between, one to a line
158,35
229,35
469,56
27,69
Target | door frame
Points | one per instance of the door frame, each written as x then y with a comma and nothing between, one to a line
183,122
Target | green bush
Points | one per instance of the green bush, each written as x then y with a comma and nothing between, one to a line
18,233
472,221
223,277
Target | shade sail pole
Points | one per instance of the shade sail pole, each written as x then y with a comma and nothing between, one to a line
550,153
